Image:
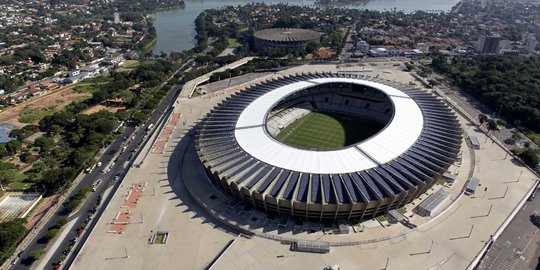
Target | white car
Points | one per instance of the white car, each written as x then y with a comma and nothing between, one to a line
98,164
96,184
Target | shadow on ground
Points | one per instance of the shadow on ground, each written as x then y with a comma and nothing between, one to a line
183,198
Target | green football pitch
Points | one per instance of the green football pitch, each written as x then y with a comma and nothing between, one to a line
324,131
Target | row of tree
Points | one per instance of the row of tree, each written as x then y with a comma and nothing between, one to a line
509,87
72,139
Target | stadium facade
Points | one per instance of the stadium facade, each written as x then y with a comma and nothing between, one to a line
237,144
286,38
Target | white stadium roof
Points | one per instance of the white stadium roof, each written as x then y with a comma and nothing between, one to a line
397,137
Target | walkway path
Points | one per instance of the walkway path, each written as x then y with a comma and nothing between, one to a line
190,86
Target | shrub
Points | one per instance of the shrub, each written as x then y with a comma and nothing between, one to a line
52,233
61,222
36,254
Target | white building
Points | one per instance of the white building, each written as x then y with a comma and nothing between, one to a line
531,43
116,18
362,46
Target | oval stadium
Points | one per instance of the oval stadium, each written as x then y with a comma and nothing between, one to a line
291,38
328,146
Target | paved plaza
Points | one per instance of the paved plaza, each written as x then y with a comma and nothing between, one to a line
196,240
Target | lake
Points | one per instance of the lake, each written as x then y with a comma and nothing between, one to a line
5,129
176,28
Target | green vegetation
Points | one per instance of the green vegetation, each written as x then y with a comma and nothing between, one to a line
535,137
510,87
36,254
52,234
76,199
10,233
149,44
61,222
160,238
24,132
129,65
231,33
91,85
529,157
30,115
232,42
327,131
71,140
12,177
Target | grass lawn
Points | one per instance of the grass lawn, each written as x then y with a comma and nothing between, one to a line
29,115
91,85
19,185
233,43
535,137
19,180
160,237
129,65
326,131
149,45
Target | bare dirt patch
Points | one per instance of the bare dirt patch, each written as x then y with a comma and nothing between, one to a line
325,53
99,107
67,95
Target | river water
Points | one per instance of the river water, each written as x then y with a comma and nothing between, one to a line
176,28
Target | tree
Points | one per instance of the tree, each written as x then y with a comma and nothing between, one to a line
13,146
516,137
36,254
529,157
51,234
433,82
508,86
56,178
24,132
492,125
44,143
40,166
55,130
3,150
408,66
27,157
61,222
10,232
482,118
8,172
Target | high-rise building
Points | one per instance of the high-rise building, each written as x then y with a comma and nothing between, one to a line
489,44
116,17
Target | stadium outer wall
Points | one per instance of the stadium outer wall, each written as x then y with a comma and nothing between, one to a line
300,41
330,196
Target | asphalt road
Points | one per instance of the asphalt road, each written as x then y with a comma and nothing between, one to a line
107,180
474,108
517,246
